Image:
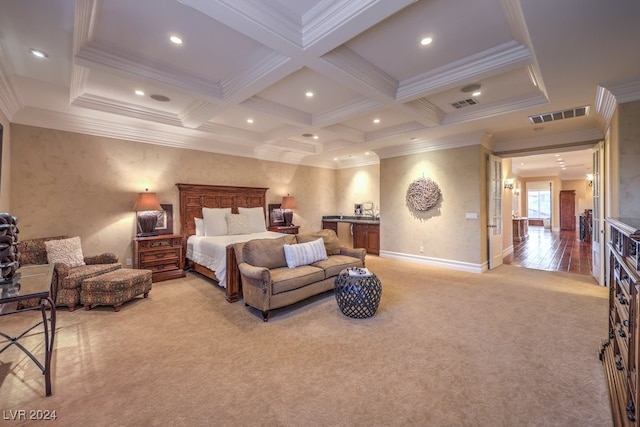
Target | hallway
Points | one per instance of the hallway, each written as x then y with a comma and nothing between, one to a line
553,251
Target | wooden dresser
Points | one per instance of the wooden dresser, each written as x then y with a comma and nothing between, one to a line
161,254
620,350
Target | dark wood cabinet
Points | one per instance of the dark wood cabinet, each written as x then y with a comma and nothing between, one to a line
367,236
161,254
330,225
619,352
287,229
568,210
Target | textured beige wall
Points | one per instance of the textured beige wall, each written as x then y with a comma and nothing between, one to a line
5,167
66,183
629,158
443,231
357,185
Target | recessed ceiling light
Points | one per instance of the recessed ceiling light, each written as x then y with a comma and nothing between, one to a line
315,137
471,88
139,92
476,93
250,121
335,158
309,94
376,121
38,53
175,40
160,98
367,153
426,41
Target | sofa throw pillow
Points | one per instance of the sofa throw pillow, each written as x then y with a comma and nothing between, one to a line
199,226
215,223
268,253
256,219
329,237
238,224
305,253
65,251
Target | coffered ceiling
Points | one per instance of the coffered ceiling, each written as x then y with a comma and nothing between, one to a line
238,82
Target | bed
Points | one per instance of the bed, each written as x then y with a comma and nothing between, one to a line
213,257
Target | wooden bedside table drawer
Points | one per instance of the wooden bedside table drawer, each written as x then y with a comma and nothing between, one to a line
170,254
163,255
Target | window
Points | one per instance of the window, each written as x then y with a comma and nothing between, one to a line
539,204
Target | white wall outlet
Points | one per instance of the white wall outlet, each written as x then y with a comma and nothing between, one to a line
129,262
421,248
471,215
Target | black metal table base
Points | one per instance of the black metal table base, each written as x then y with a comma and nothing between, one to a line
358,296
49,325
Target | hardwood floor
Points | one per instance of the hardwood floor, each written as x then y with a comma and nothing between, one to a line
553,251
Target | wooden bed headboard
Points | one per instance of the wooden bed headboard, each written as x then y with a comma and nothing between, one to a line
194,197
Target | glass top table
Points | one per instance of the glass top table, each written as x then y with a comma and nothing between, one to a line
31,282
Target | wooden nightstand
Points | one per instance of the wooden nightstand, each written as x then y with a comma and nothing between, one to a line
161,254
287,229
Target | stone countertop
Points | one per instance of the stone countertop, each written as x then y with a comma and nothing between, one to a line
352,219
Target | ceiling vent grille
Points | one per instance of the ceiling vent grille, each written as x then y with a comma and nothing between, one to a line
464,103
559,115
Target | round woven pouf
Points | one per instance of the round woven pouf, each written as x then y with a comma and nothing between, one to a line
358,296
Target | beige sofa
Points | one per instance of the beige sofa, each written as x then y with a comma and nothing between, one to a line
268,283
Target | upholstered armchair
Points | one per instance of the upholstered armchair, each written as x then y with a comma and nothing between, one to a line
66,280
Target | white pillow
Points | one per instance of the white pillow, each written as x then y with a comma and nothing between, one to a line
199,226
238,224
65,251
215,223
304,253
256,219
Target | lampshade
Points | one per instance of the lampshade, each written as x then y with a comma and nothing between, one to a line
147,202
288,202
145,205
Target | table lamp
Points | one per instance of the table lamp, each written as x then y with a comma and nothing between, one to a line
288,203
146,206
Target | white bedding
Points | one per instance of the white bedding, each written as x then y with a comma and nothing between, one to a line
210,251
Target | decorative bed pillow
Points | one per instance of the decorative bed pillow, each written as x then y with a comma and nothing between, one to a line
215,223
238,224
329,237
268,253
305,253
199,226
256,219
65,251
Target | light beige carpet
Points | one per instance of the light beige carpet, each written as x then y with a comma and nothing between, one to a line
508,347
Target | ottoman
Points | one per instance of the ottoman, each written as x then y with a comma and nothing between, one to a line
115,287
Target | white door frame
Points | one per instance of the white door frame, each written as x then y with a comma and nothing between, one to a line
494,216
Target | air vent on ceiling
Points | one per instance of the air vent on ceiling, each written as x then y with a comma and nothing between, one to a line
464,103
559,115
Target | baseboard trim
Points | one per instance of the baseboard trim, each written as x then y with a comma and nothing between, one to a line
436,262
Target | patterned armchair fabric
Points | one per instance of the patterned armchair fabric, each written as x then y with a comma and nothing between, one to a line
66,281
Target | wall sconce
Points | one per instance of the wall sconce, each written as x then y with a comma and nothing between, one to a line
288,203
146,207
508,183
590,179
516,191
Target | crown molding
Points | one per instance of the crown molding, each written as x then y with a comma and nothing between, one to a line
348,62
345,112
90,56
499,59
435,144
610,95
493,109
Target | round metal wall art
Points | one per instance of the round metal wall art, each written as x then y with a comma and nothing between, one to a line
423,194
